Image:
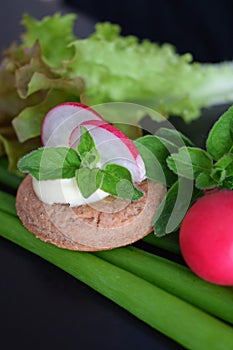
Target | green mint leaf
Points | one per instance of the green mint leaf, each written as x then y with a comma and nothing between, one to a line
221,174
87,150
174,137
225,163
220,138
117,181
88,180
228,183
50,163
189,162
173,207
205,181
218,175
164,211
154,154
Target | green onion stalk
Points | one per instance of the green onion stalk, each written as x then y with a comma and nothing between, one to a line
136,281
161,310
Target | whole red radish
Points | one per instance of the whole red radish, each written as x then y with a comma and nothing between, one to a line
206,237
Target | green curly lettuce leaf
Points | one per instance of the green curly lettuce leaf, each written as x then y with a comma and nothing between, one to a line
118,68
29,87
51,65
15,149
54,33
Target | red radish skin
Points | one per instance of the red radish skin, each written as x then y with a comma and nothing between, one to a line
118,133
206,237
62,119
113,145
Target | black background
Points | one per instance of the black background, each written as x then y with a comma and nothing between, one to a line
202,27
41,307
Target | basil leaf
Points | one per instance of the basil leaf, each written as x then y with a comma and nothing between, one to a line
220,138
87,150
88,180
174,137
221,174
154,154
117,181
205,181
190,162
174,206
218,175
163,212
50,163
226,163
228,182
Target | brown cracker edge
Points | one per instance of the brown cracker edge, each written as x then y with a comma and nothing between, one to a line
34,216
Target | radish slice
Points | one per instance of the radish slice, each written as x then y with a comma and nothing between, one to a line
62,119
113,147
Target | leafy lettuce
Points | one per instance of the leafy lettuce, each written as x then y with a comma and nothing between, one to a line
50,65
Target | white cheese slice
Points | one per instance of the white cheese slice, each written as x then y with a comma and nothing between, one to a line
64,191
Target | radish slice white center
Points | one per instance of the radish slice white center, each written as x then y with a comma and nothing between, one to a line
113,147
62,119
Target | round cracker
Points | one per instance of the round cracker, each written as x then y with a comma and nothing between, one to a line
107,224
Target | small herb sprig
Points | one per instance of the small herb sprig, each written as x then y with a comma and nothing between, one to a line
172,159
212,167
51,163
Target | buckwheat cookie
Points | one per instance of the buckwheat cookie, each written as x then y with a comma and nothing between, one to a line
107,224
